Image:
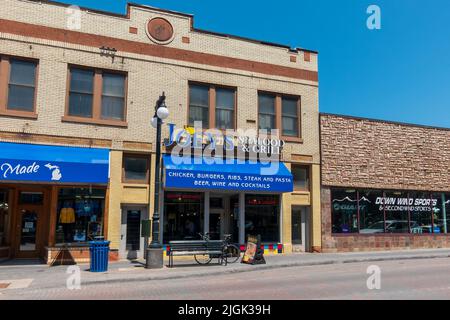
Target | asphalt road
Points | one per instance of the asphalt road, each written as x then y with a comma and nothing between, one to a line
407,279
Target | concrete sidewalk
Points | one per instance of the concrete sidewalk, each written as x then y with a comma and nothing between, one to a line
43,276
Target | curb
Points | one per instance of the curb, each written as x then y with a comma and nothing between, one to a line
266,267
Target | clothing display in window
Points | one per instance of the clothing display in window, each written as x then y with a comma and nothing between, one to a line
67,215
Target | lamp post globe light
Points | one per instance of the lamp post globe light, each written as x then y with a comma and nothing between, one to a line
154,254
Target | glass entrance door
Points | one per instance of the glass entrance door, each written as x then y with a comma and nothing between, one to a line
29,224
300,228
28,227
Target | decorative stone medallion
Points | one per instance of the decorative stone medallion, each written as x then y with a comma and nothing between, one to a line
160,30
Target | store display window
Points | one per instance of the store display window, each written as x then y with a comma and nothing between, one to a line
4,217
183,216
387,211
80,215
262,217
344,209
371,218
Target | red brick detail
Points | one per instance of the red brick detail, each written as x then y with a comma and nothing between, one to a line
185,40
293,59
97,41
133,30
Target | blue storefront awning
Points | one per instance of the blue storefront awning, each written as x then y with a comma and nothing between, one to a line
42,163
217,174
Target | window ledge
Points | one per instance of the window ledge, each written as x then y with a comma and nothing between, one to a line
101,122
135,184
300,192
292,139
19,114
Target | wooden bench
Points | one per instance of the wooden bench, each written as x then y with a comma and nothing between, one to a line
213,248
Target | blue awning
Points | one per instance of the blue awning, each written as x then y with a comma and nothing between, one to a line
229,174
41,163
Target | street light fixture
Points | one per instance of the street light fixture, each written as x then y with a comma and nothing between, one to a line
154,254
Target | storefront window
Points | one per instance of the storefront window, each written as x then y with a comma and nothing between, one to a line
262,214
80,215
4,217
344,210
395,204
421,206
371,214
183,216
438,211
446,212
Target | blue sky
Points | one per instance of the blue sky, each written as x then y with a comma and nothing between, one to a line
398,73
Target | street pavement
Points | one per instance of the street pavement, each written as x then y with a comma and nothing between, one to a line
421,274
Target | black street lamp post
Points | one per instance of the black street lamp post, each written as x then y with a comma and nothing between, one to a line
154,254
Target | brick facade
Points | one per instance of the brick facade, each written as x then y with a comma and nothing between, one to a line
38,29
376,154
363,153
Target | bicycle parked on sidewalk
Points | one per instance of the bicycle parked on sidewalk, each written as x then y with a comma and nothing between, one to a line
231,252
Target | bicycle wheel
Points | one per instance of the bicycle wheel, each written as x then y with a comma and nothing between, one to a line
232,253
203,258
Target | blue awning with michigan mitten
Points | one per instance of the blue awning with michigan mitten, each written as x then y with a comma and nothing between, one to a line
53,164
226,174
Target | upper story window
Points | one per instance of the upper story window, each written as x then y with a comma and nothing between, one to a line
301,177
280,112
267,112
96,95
214,106
136,168
18,79
289,113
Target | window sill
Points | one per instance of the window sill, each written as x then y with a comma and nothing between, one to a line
101,122
19,114
292,139
301,192
135,183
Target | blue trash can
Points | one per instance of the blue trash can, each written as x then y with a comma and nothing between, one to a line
99,252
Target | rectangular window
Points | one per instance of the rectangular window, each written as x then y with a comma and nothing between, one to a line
390,212
80,215
446,212
262,217
4,217
301,177
18,86
290,117
113,96
81,99
96,96
371,218
225,108
136,168
344,210
183,216
199,105
267,112
281,112
214,106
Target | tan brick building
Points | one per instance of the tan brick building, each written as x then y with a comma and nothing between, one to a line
385,185
90,80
